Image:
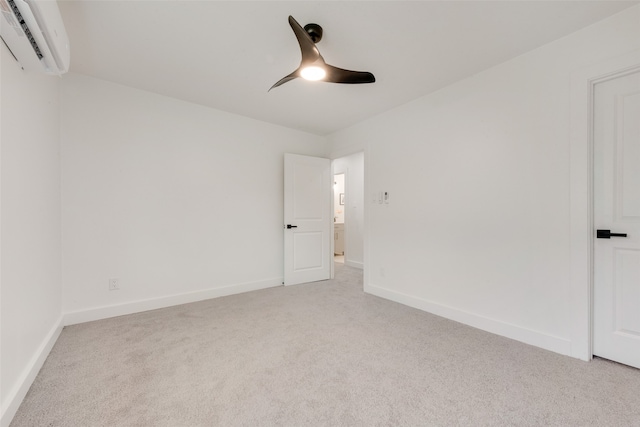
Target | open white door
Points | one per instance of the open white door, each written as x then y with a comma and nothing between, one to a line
616,140
307,219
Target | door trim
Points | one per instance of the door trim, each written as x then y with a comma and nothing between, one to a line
333,228
344,172
581,194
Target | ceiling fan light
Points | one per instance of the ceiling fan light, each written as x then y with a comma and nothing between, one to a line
313,73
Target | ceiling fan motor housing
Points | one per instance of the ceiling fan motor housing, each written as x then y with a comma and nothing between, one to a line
314,31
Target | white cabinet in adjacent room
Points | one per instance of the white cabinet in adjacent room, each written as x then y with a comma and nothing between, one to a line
338,236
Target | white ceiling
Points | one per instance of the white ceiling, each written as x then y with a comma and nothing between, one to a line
227,54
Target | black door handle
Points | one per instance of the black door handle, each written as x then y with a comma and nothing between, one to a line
291,226
607,234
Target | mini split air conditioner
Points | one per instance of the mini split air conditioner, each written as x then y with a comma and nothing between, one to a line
34,33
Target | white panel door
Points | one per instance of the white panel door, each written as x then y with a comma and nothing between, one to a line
617,211
307,219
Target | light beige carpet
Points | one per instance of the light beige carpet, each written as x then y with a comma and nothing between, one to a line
316,354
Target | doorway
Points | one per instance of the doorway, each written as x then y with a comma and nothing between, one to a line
616,215
339,195
581,200
348,210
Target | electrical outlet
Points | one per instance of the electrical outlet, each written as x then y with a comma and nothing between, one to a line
114,284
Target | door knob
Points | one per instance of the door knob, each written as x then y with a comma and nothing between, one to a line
291,226
607,234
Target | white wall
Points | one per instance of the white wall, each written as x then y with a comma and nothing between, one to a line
177,201
353,168
30,278
478,228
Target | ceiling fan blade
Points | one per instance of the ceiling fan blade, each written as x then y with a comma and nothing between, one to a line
339,75
285,79
310,52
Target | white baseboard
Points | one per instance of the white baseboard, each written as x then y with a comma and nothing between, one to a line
515,332
15,396
354,264
105,312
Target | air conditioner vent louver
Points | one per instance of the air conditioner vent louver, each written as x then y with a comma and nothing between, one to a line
25,28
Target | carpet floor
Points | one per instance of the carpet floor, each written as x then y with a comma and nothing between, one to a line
316,354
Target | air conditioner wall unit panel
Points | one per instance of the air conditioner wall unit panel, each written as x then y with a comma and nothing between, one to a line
34,32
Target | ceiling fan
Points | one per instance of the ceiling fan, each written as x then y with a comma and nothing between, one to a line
312,65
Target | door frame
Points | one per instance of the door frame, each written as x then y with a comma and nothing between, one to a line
344,172
348,208
581,195
333,228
